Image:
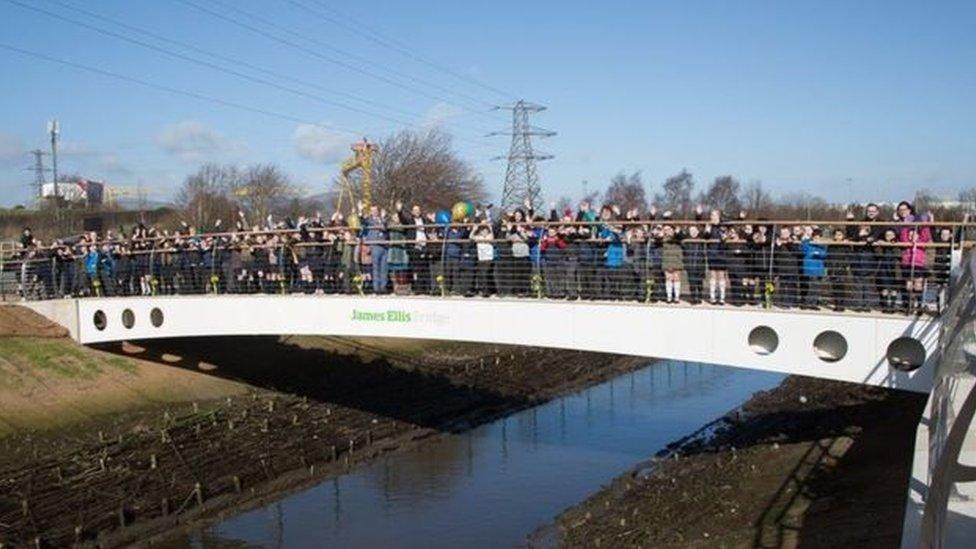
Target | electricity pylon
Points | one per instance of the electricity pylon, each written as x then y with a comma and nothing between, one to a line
521,177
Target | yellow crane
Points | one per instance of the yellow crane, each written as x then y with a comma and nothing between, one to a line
362,160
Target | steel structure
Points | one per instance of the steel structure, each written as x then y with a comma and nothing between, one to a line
521,177
362,160
39,170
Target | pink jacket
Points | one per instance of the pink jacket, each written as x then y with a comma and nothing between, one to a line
914,256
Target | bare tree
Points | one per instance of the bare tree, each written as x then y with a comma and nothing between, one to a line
422,168
803,205
926,200
563,204
676,192
592,197
723,194
264,189
205,195
757,200
627,192
967,198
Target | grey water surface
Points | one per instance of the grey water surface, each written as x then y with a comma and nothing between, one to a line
493,485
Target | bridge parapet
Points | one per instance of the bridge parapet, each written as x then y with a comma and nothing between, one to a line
941,506
889,351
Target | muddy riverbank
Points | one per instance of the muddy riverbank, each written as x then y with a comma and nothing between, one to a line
811,463
302,410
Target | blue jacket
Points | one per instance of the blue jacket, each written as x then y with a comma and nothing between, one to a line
615,248
91,263
106,264
535,252
373,229
453,250
813,259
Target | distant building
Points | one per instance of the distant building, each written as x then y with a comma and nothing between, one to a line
92,193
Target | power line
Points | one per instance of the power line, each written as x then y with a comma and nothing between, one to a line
357,134
390,43
203,63
217,67
231,60
177,91
438,87
307,50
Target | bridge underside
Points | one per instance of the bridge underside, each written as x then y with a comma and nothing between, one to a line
889,351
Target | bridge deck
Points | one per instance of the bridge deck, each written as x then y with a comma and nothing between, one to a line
846,346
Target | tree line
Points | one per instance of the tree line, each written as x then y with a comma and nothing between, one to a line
679,196
422,167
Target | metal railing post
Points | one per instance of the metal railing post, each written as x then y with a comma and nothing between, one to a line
769,287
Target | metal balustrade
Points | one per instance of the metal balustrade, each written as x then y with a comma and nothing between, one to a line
837,265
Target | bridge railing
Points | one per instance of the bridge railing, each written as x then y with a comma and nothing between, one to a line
863,266
944,477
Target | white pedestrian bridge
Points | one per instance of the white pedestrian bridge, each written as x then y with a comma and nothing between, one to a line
923,354
895,351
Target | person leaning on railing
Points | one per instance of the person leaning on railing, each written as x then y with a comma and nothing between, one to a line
787,261
672,263
483,235
760,268
946,238
553,247
736,263
694,256
814,268
914,260
611,274
889,270
519,269
717,258
838,262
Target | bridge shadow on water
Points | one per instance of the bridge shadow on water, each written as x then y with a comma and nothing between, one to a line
388,384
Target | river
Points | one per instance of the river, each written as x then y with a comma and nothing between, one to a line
493,485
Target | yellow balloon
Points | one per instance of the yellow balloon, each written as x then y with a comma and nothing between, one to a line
459,211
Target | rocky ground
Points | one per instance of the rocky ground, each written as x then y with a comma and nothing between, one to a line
811,463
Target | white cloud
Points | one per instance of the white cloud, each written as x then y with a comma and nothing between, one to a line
441,113
12,149
195,141
320,145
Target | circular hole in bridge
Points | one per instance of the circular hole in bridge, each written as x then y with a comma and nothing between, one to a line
830,346
100,320
906,354
128,318
156,317
763,340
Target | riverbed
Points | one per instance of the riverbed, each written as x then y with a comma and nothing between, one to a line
493,485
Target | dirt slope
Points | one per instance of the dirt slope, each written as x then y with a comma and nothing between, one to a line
21,321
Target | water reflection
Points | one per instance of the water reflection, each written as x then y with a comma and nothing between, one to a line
493,485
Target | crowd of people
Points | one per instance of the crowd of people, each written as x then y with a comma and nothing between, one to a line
591,253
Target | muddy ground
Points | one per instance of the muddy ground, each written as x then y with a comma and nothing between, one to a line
300,410
811,463
20,321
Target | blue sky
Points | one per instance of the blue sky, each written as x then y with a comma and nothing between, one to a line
802,96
